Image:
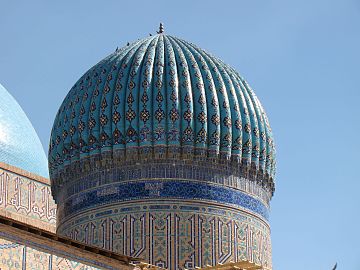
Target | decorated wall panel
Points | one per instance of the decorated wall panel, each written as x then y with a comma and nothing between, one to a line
15,256
174,234
11,255
26,200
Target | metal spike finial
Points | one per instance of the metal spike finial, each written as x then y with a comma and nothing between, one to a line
161,29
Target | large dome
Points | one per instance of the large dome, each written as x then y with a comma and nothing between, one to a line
19,144
164,95
162,151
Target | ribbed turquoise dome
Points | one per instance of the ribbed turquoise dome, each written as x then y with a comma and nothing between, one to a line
162,96
161,151
19,144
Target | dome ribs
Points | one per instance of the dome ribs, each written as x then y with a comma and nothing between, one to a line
261,125
89,137
118,101
213,118
254,129
245,119
145,104
265,138
159,107
105,103
87,86
132,102
258,130
90,79
235,116
162,99
269,137
96,120
186,103
74,136
103,110
199,98
122,91
229,131
169,141
67,119
172,101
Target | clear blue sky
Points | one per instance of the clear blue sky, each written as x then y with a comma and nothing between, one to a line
301,57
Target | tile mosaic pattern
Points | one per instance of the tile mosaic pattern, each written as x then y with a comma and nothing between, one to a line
37,260
11,255
161,96
61,263
26,200
150,190
15,256
154,214
113,173
19,144
202,142
174,235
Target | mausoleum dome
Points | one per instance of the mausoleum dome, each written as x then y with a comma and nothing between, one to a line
162,97
162,151
19,144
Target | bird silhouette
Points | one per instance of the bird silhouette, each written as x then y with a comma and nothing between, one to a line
335,267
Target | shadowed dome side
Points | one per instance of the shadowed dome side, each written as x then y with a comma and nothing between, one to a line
19,144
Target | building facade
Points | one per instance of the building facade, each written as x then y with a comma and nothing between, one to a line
164,152
27,209
160,153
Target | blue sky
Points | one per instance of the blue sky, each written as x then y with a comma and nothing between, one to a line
301,57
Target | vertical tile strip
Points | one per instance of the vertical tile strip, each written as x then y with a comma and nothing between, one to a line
24,259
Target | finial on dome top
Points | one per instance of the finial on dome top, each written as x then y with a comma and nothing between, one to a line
161,29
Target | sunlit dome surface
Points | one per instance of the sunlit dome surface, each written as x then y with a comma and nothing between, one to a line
162,91
19,144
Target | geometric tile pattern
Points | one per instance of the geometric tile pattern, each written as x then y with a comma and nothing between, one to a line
26,200
174,234
61,263
169,169
11,255
37,260
162,96
15,256
146,190
164,152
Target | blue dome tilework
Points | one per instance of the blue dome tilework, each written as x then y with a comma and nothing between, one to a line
19,144
162,151
171,190
162,91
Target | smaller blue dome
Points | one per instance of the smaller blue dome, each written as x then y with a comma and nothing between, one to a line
19,144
